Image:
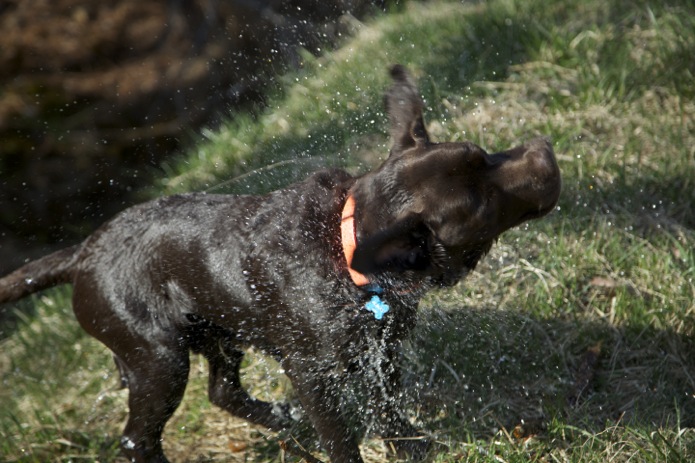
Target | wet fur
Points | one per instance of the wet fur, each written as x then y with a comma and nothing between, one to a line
214,274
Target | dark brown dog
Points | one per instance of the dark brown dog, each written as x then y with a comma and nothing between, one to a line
325,275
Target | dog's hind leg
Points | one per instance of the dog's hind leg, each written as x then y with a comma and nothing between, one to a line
226,391
156,380
152,359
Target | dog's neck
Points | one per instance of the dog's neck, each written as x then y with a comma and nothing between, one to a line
349,240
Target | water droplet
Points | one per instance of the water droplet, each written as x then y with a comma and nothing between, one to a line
127,443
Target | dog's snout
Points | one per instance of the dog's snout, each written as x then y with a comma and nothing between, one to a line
540,159
530,176
544,173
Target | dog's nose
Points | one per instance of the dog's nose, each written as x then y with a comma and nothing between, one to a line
530,177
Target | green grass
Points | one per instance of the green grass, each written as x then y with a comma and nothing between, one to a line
495,368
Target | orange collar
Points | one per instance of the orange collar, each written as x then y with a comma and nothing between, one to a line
349,240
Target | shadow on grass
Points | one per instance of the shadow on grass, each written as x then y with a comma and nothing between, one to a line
475,370
478,373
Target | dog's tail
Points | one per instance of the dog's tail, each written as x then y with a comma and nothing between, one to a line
48,271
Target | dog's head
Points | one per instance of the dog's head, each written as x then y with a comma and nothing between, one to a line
435,208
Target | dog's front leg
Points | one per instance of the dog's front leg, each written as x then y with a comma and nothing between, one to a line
318,386
382,376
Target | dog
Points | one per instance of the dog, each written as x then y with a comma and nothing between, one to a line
325,275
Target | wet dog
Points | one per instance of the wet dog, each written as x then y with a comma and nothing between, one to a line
325,275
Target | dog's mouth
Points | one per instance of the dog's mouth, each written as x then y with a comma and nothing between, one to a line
450,277
451,266
411,282
445,268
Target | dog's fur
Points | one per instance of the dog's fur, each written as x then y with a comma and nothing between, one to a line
213,274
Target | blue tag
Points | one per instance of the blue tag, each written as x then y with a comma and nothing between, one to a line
377,306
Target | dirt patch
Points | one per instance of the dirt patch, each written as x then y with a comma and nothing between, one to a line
94,95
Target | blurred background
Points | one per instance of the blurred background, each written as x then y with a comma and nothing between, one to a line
94,96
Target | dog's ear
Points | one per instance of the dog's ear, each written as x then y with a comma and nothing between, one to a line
402,246
404,107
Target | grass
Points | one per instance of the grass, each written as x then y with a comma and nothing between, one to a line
574,339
